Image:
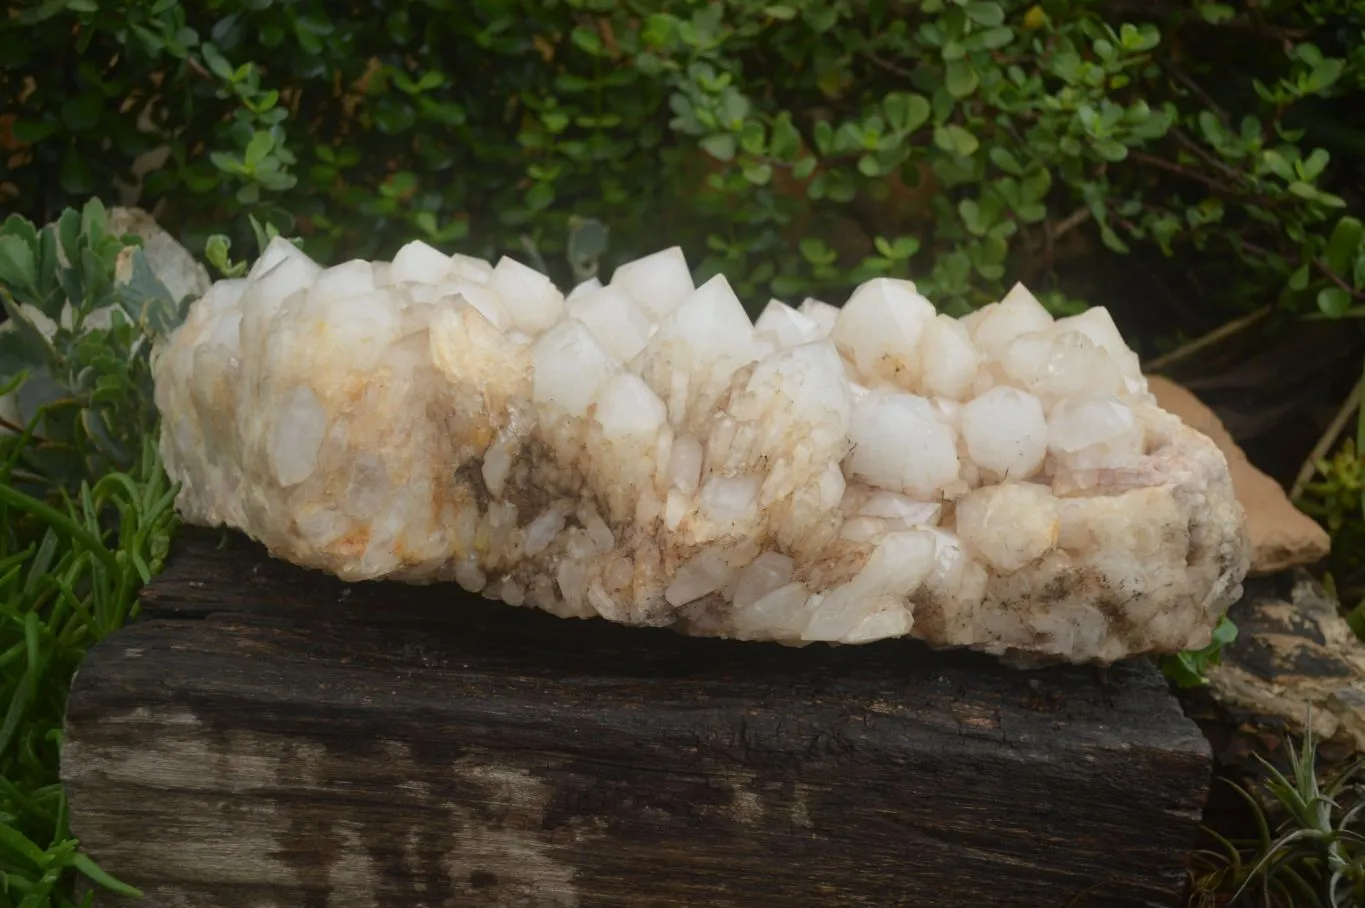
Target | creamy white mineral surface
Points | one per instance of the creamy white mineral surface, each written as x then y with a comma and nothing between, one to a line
643,452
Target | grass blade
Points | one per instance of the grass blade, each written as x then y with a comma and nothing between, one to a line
92,870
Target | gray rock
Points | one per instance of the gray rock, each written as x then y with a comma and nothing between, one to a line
172,262
1295,655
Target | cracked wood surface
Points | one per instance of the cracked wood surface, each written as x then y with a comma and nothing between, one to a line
266,736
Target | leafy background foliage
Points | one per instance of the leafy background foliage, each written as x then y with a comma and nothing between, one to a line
800,147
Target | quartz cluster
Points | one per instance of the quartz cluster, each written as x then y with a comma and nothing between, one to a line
644,452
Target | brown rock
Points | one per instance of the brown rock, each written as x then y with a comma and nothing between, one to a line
1282,536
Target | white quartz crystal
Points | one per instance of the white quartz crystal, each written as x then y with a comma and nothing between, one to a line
640,451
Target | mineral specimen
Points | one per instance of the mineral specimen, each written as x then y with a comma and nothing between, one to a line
643,452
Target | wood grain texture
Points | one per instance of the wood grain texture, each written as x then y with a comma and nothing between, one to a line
268,737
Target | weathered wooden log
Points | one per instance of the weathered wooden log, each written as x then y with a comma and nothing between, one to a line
266,736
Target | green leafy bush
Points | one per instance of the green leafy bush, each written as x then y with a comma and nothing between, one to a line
86,512
797,146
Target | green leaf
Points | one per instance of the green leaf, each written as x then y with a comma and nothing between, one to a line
816,252
970,212
1323,76
1278,164
1333,301
1343,245
786,139
868,166
1214,13
69,234
960,78
824,137
1315,163
1111,151
217,63
145,299
1112,240
996,38
720,146
1304,190
903,248
12,840
260,145
758,174
906,112
228,163
984,13
1299,279
83,111
587,40
1001,157
953,138
1224,633
17,268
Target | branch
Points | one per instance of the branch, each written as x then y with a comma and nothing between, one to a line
1329,438
1052,233
1322,266
1338,279
889,66
1221,333
1208,157
1181,170
1195,87
1070,222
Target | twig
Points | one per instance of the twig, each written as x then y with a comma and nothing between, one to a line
1180,170
889,66
1209,158
1197,89
1337,279
1051,233
1070,222
1329,438
1222,332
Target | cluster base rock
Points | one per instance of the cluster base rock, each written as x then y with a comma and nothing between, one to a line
643,452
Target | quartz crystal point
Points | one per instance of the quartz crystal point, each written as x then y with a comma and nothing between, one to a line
643,452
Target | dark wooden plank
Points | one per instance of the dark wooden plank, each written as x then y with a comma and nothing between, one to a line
306,743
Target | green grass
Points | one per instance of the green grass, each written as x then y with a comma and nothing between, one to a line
71,566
